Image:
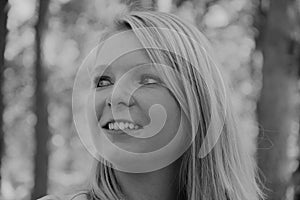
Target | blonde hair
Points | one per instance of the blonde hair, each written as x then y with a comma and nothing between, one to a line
228,171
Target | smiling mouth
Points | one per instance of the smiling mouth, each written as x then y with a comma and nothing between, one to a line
121,126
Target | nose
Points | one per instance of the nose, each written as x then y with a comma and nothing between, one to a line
120,95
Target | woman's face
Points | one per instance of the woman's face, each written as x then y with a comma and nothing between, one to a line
133,106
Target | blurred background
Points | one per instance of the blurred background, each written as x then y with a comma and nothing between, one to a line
43,43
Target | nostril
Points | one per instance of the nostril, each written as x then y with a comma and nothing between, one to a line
118,99
108,102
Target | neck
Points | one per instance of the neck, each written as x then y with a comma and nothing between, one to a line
158,185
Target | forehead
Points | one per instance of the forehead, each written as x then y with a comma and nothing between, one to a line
116,46
122,50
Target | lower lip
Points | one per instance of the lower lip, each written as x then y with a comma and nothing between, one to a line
121,132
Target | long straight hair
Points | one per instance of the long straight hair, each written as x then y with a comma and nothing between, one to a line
228,171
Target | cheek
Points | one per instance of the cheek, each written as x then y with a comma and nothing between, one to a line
96,104
165,99
149,97
173,115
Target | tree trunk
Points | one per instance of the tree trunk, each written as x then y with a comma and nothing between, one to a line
42,133
296,175
277,106
3,33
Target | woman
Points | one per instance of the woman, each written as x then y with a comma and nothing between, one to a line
160,117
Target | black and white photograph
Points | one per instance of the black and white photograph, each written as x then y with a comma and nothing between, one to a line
150,100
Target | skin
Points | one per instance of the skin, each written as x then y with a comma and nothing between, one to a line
128,82
158,185
132,71
54,197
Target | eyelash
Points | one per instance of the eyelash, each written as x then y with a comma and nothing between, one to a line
147,77
102,78
106,78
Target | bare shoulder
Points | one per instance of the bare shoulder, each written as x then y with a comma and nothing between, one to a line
76,196
50,197
79,196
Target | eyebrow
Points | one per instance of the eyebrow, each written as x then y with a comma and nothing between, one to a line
99,67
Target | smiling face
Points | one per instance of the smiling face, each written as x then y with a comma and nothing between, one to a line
134,108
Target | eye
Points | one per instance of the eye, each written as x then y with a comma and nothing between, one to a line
102,81
148,79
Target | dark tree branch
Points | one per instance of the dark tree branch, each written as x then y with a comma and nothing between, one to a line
277,105
40,108
3,33
260,19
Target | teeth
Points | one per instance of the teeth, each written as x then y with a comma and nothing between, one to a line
122,126
131,126
116,127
